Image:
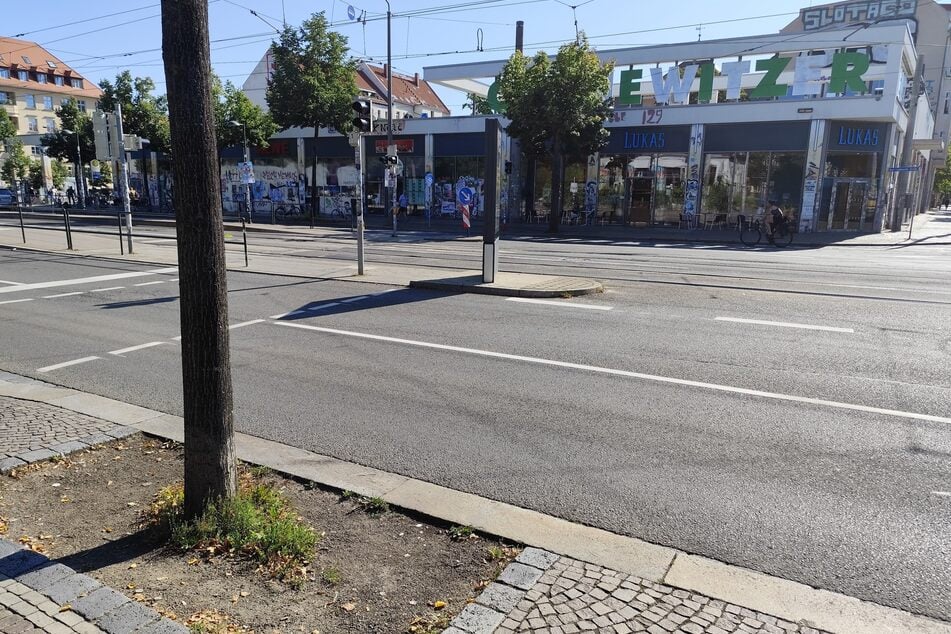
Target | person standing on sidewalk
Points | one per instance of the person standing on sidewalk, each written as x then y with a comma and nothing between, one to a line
70,195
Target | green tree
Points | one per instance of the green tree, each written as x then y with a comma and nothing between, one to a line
942,184
62,144
210,463
16,167
558,106
477,104
313,82
7,129
36,178
59,172
143,113
231,104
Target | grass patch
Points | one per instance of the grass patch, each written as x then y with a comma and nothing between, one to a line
460,533
373,506
259,471
331,576
258,522
431,623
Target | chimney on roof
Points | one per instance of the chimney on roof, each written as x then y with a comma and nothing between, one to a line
416,79
385,71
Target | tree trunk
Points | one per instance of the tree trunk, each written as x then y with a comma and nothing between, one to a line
206,362
557,178
528,178
313,181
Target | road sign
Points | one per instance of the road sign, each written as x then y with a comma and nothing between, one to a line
904,168
246,171
351,12
429,179
106,134
464,195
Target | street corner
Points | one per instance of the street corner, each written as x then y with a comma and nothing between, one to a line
514,285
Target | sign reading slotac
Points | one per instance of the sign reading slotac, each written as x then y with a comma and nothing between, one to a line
852,12
672,88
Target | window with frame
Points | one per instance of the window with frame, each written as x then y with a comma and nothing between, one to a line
4,73
76,83
30,101
81,104
37,150
47,103
49,124
23,75
42,78
6,97
58,80
51,63
32,124
26,60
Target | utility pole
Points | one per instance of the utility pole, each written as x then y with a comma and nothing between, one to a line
907,149
247,159
390,150
81,182
124,183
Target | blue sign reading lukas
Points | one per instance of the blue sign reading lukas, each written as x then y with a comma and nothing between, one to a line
643,140
858,136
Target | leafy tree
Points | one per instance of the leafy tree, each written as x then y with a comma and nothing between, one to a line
477,104
231,104
942,183
558,106
16,167
210,463
7,129
143,114
105,174
36,177
313,82
62,144
59,172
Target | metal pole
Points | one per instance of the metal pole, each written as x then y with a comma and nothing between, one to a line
244,238
22,230
81,185
247,186
124,183
359,201
907,150
390,191
121,246
69,234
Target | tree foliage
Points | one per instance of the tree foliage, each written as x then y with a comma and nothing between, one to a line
16,167
62,144
59,171
231,104
477,104
143,113
313,82
558,106
7,129
942,182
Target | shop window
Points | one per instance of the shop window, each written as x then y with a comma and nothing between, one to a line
743,182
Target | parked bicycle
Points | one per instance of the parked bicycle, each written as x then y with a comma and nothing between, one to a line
751,233
288,211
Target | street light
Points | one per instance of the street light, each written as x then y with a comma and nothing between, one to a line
81,181
247,159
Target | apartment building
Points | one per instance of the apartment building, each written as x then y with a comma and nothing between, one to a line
34,83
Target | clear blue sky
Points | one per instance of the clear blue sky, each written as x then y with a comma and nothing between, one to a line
442,38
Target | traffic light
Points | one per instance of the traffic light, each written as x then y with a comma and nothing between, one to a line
508,167
361,122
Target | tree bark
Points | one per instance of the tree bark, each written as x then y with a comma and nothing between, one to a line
557,178
206,363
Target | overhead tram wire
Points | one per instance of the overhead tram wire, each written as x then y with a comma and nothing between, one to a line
92,19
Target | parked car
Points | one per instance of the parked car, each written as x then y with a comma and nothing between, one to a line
7,197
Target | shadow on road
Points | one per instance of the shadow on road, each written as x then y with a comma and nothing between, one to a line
139,302
357,303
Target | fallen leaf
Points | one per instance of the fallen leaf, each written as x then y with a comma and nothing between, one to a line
131,566
349,607
439,605
107,529
193,561
66,608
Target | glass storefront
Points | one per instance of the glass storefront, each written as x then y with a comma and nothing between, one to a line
741,183
642,189
852,176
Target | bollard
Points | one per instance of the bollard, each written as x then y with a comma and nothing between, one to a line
244,238
69,233
121,246
22,230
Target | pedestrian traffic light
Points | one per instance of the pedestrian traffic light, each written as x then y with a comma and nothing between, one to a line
361,122
508,167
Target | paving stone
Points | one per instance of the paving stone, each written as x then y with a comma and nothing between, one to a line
478,619
95,439
98,602
500,597
69,447
68,589
44,576
537,557
19,562
127,618
57,628
68,617
450,630
37,455
6,464
39,619
520,575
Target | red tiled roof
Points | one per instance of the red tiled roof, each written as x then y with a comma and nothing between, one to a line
12,54
412,90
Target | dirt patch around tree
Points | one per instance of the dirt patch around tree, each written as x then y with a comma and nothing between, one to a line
372,572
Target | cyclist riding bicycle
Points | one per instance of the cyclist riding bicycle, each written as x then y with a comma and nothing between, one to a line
774,219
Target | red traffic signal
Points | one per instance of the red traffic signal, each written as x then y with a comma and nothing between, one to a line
361,122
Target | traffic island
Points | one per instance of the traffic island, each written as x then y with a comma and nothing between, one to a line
514,285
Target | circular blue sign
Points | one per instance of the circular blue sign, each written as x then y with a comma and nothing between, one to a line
429,179
465,195
351,12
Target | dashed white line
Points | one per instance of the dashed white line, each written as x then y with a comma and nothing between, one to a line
246,323
11,283
86,280
628,374
103,290
62,295
545,302
784,324
17,301
66,364
143,346
149,283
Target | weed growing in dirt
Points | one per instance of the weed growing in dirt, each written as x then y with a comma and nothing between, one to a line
460,533
430,623
257,522
373,506
331,576
259,471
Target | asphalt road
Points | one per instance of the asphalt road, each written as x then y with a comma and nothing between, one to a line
785,411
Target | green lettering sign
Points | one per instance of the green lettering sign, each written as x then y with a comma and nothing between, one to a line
706,84
768,86
847,69
630,86
497,105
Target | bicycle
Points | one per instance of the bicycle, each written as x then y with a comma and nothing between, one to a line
751,233
285,211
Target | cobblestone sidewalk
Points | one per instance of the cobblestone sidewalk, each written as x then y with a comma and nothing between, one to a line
544,593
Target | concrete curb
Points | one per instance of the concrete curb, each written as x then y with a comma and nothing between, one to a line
582,287
733,584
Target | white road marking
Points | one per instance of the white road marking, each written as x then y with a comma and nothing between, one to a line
11,283
942,494
354,299
17,301
62,295
178,338
66,364
784,324
143,346
246,323
628,374
304,311
529,300
103,290
85,280
149,283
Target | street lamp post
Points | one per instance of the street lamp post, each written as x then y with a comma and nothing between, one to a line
80,177
391,191
247,158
